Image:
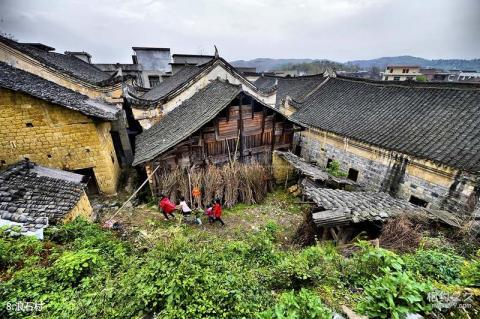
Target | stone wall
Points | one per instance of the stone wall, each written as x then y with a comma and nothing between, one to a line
83,208
57,137
400,175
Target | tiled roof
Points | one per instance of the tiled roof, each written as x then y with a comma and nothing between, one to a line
171,83
33,195
429,121
64,63
344,207
19,80
313,172
184,120
266,82
296,87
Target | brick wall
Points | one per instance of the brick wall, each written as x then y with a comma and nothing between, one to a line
55,136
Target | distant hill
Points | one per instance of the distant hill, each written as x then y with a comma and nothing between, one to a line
445,64
266,64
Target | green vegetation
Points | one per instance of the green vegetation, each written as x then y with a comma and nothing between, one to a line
83,271
421,78
334,169
317,67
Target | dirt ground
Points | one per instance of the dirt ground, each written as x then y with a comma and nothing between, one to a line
279,207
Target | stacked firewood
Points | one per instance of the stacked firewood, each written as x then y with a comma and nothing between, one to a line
232,183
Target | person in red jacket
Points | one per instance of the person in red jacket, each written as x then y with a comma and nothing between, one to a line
217,212
166,206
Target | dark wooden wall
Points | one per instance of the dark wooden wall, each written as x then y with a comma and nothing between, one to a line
242,131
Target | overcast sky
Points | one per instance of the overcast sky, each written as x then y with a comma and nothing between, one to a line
339,30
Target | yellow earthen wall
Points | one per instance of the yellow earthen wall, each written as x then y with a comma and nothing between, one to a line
83,208
281,169
60,138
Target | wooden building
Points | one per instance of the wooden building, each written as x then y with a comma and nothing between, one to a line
217,124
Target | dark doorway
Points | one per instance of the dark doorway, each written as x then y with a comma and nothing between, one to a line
352,174
418,201
117,144
298,150
329,161
89,178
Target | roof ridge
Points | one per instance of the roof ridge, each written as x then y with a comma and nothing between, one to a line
33,85
413,84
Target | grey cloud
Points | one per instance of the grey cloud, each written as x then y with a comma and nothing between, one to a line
242,29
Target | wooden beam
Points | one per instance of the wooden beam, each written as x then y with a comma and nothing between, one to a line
251,104
240,126
273,132
264,114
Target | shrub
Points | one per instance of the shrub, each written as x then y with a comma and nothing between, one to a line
394,295
18,252
313,265
71,267
302,305
334,169
369,262
441,266
470,272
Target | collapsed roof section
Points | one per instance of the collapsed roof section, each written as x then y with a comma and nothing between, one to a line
311,171
340,207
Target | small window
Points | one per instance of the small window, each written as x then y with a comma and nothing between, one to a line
28,124
154,80
396,78
407,70
418,201
113,159
49,155
352,174
391,70
329,161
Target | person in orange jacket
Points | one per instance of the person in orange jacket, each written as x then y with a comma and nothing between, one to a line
166,206
217,212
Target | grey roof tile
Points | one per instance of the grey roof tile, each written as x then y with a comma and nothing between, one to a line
184,120
172,83
296,87
64,63
429,121
18,80
34,195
